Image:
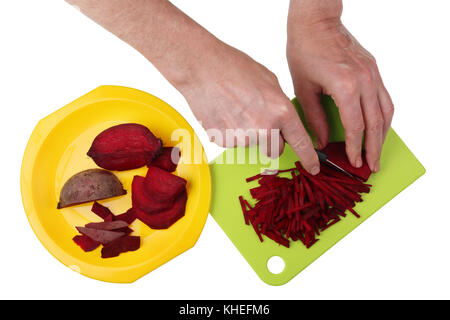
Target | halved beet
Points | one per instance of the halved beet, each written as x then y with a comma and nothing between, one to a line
102,236
108,225
102,211
163,186
336,154
90,185
85,243
142,200
124,147
128,216
164,219
168,159
124,244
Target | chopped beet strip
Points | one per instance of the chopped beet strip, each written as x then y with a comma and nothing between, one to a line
163,186
128,216
102,236
126,230
108,225
85,243
102,211
167,159
120,245
124,147
164,219
300,208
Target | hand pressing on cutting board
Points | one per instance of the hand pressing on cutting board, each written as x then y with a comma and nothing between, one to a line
224,87
325,58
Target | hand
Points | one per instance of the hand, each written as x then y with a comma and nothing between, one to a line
325,58
231,91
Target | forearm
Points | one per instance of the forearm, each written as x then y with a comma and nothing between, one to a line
311,12
162,33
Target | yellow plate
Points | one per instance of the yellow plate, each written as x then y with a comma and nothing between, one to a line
57,150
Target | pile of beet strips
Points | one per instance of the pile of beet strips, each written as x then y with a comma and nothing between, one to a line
301,206
113,233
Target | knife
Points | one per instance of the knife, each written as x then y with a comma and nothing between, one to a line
323,158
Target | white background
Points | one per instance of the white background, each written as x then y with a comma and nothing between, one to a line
50,54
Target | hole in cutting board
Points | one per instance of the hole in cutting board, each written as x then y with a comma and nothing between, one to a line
276,265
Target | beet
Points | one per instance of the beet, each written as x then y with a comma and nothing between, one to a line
109,225
163,186
102,236
143,201
164,219
128,216
120,245
85,243
302,207
102,211
89,185
125,147
168,159
336,154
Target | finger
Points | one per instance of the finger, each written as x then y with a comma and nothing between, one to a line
271,142
374,124
353,122
315,115
387,108
295,134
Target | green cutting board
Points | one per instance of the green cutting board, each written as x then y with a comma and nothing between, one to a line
399,168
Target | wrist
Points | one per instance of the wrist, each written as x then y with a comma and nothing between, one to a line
314,13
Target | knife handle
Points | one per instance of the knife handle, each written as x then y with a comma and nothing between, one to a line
322,156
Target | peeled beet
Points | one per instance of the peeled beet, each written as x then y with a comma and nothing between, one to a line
125,147
164,219
102,236
163,186
336,154
168,159
85,243
102,211
90,185
128,216
124,244
142,200
108,225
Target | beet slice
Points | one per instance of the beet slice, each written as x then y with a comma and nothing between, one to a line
108,225
120,245
102,236
163,186
142,200
167,159
128,216
335,152
86,243
124,147
102,211
166,218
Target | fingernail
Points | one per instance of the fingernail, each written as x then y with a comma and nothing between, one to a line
358,162
376,167
315,170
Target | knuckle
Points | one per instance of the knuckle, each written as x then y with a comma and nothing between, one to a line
367,74
356,129
390,110
301,143
347,85
376,126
